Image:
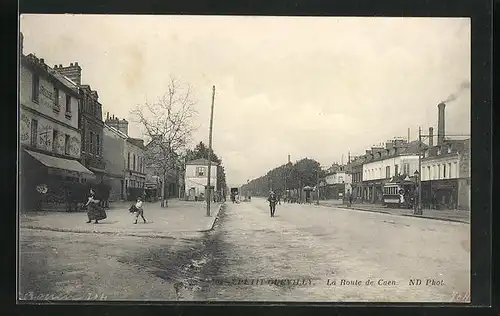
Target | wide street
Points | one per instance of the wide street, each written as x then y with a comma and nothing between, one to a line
302,254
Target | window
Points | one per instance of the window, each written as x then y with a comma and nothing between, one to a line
429,175
455,165
68,103
200,171
91,138
55,136
449,170
98,144
56,97
406,169
133,165
444,171
66,144
35,88
34,132
128,161
388,171
396,170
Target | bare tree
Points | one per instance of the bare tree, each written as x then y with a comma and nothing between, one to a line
168,125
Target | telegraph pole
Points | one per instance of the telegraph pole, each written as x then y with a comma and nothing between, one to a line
317,187
210,152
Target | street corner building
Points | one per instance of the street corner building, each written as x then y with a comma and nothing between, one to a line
196,179
51,174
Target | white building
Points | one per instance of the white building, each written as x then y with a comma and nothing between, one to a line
390,167
196,178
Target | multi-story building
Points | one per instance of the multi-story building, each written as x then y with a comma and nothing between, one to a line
90,121
114,159
50,139
196,178
446,175
134,167
398,158
355,168
336,183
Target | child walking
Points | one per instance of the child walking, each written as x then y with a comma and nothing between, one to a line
139,210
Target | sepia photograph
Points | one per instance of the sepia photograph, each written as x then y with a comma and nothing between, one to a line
188,158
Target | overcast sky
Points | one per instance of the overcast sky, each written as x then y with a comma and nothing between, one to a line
304,86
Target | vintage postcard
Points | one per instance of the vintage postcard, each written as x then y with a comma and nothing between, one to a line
244,158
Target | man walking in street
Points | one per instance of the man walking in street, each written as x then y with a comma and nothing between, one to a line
272,203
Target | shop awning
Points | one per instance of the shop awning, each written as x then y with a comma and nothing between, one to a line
59,163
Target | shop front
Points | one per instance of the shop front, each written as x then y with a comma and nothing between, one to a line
440,194
373,191
52,183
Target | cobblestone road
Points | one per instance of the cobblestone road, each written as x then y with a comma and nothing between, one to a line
303,250
325,244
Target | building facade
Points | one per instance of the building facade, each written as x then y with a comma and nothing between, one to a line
135,176
114,159
398,158
446,175
51,174
355,168
89,121
336,183
196,178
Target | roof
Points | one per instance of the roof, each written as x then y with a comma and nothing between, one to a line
116,131
201,162
59,163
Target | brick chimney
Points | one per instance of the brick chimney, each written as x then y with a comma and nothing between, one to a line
73,72
441,120
431,137
121,125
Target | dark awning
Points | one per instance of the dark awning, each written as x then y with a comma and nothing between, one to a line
59,163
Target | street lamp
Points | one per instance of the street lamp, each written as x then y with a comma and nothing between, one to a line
418,206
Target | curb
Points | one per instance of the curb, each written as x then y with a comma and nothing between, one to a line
410,215
213,222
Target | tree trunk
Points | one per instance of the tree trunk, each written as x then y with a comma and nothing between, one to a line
163,191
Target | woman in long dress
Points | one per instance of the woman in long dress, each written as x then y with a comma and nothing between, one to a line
95,211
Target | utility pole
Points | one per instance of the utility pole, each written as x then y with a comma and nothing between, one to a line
210,152
317,187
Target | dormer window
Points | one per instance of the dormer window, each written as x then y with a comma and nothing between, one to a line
439,151
449,149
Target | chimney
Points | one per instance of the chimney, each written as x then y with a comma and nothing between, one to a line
73,72
431,137
288,158
441,121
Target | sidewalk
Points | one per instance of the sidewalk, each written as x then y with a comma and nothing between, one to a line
444,215
180,217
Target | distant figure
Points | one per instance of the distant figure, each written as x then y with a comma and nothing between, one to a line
95,212
350,198
139,210
272,202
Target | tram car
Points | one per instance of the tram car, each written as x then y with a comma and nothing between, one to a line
399,194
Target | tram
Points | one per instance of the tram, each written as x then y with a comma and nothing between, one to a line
399,194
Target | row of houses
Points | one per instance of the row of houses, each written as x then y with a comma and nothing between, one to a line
444,172
66,147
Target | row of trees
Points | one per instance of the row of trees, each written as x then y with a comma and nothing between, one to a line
290,176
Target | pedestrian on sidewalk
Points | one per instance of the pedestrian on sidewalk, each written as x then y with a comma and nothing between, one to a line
139,210
95,211
272,203
350,198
